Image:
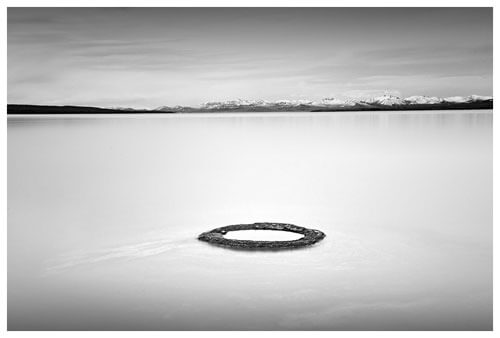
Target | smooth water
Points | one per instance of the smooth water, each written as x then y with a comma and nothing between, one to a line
104,212
263,235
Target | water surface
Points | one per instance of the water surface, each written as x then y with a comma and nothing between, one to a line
104,211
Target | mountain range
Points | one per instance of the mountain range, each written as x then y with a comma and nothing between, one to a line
384,102
377,103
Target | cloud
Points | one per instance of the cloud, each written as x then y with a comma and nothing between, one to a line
193,55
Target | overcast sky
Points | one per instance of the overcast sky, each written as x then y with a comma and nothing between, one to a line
148,57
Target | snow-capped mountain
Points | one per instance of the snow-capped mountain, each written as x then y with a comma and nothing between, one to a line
173,109
293,102
470,98
254,103
475,98
233,104
389,101
386,100
417,99
332,101
456,99
329,104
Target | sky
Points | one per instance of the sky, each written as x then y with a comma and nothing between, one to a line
150,57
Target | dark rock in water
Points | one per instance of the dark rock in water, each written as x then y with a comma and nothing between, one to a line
216,236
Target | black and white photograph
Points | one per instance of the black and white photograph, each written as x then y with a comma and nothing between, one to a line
249,168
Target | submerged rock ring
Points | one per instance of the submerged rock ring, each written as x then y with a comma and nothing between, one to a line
216,236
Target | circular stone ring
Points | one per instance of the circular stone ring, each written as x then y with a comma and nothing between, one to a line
216,236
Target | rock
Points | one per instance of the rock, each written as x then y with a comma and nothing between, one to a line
215,236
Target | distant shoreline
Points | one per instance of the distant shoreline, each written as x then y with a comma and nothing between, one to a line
21,109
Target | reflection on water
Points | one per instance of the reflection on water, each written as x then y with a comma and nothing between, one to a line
103,215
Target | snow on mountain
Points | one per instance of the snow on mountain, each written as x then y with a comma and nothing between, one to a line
475,98
235,104
167,108
284,103
386,100
470,98
331,101
254,103
161,108
456,99
293,102
418,99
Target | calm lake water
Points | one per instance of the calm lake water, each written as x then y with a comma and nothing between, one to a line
104,212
